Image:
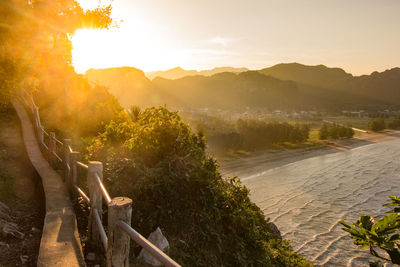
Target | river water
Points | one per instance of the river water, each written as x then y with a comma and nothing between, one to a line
307,198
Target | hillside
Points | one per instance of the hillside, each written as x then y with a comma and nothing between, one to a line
320,76
178,72
128,84
330,87
227,90
283,86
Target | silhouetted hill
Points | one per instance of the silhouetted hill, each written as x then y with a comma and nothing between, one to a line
383,87
333,88
288,86
128,84
320,75
178,72
228,90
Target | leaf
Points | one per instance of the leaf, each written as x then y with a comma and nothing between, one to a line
366,222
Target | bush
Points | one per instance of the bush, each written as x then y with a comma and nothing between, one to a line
395,124
335,131
376,125
210,221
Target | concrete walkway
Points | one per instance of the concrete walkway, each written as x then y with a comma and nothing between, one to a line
60,244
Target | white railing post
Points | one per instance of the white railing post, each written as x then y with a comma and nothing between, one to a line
52,147
119,209
95,199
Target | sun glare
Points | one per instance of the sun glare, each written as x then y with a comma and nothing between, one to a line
122,47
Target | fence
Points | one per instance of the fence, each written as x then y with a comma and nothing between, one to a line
117,244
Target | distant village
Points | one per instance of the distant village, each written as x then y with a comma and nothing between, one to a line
265,114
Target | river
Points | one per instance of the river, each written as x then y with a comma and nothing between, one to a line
307,198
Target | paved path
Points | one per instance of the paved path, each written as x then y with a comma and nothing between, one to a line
60,244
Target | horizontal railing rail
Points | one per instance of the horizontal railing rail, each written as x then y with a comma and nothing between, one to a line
117,243
147,245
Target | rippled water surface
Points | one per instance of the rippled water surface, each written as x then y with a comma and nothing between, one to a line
306,199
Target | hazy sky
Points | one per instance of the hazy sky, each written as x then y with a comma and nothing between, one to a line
360,36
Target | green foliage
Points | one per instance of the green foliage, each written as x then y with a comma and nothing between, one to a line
244,134
258,134
210,221
335,131
395,124
376,125
384,233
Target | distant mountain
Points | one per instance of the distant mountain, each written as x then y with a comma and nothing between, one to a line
178,72
284,86
320,75
383,87
128,84
227,90
335,87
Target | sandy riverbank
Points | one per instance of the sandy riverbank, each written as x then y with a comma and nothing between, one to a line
273,158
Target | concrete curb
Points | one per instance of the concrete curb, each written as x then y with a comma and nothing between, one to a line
60,244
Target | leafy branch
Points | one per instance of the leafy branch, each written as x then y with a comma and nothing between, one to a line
383,233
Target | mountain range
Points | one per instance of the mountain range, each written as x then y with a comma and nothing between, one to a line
178,72
283,86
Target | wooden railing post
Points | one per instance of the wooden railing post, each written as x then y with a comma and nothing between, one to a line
119,209
95,196
40,136
52,147
72,179
67,163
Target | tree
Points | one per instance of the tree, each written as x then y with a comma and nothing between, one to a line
376,125
384,233
163,166
323,132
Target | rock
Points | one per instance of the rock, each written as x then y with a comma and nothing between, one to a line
275,229
4,207
4,212
10,229
90,256
159,240
24,259
4,245
35,230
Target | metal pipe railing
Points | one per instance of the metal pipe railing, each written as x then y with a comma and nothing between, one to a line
103,235
147,245
83,195
58,142
103,189
57,157
80,164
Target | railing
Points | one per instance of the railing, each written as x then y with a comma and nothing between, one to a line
116,245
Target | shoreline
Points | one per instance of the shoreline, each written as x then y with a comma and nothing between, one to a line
274,158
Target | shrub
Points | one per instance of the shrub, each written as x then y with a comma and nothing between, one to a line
210,221
335,131
376,125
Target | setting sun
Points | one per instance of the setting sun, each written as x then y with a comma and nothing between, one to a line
125,46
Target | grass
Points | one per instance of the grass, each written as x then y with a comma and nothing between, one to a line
314,135
360,123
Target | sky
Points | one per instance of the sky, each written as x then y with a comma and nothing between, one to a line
360,36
